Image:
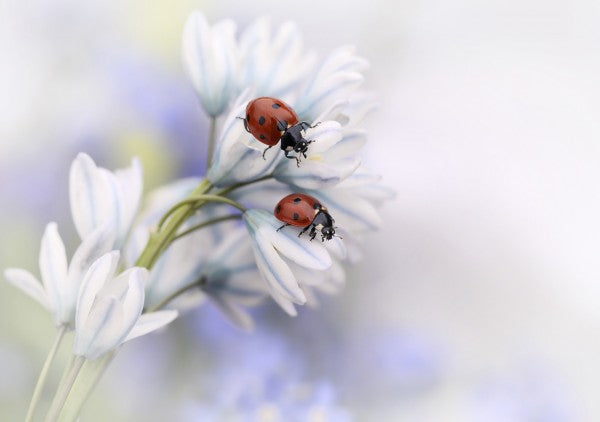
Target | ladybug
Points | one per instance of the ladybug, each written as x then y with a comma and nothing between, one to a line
270,120
302,210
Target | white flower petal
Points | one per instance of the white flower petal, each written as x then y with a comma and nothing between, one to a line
336,247
350,212
359,106
336,77
238,157
272,64
210,59
149,322
286,304
275,271
315,173
234,313
130,184
53,266
95,245
133,302
325,135
100,331
350,144
25,281
101,270
92,196
300,250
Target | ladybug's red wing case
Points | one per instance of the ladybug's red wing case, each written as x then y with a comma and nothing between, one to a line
297,209
267,118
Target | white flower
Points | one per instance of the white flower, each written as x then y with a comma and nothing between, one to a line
109,308
60,282
272,62
238,156
330,158
232,279
273,248
103,205
210,59
332,83
99,196
217,262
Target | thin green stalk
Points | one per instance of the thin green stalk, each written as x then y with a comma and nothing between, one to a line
231,188
219,198
178,293
39,386
211,142
64,389
88,377
160,240
205,224
199,200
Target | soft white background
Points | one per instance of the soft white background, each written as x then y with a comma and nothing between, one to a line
488,128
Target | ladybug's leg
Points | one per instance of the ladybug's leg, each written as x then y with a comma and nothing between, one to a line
292,156
265,151
313,233
245,123
305,125
304,230
285,225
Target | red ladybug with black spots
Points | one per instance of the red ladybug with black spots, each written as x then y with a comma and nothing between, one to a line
270,120
302,210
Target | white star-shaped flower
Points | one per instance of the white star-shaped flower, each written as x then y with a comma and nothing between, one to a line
109,308
103,205
272,251
211,60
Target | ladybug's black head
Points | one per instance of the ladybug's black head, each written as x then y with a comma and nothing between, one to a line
301,146
328,232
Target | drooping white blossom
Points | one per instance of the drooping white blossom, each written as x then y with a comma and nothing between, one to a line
99,197
330,84
103,205
211,60
330,159
273,61
60,280
109,308
272,250
216,263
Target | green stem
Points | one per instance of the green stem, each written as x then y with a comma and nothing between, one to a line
64,389
205,224
211,142
178,293
39,386
160,240
242,184
218,198
88,377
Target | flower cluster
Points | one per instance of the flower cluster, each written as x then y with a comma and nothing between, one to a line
83,294
267,61
134,271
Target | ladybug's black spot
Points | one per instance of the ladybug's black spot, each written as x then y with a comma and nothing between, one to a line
248,117
278,210
263,137
296,199
275,105
282,125
262,120
296,216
